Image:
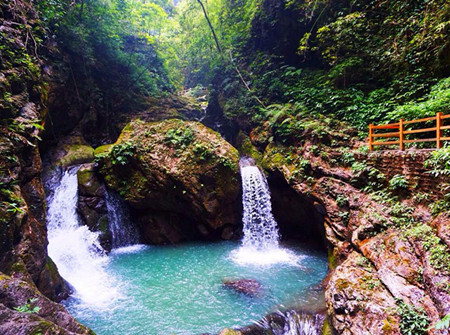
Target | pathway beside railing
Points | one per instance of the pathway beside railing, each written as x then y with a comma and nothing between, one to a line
400,136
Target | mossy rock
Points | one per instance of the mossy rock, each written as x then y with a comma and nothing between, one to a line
175,166
246,148
76,154
273,158
102,150
88,182
326,328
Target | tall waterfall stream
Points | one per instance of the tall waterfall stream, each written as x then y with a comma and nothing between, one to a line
75,249
260,244
179,289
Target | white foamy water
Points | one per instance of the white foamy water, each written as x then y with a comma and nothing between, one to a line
75,249
295,323
260,245
131,249
248,255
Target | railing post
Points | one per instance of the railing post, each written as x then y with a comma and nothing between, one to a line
401,136
370,137
438,130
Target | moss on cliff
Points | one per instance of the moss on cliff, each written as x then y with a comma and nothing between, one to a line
175,166
76,154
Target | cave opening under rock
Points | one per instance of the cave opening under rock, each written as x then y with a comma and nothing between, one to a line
299,216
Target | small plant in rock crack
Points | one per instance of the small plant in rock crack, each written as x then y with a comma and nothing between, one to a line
122,152
28,308
443,323
341,200
413,321
398,182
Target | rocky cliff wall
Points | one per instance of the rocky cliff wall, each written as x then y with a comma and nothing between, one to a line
27,274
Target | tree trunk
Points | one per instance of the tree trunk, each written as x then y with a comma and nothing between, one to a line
211,27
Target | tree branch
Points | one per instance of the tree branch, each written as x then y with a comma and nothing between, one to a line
210,27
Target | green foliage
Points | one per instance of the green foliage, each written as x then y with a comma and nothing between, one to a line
398,182
342,200
438,251
179,138
121,153
439,165
227,163
358,166
345,217
115,48
202,151
401,215
11,201
439,162
347,157
441,206
378,60
438,100
413,321
27,307
443,323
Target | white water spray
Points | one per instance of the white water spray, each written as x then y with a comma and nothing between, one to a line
75,249
260,228
261,238
295,323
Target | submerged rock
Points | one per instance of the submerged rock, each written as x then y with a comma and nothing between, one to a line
228,331
248,287
180,178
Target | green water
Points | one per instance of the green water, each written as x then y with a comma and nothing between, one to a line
178,290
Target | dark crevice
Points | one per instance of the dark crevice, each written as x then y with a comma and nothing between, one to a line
297,216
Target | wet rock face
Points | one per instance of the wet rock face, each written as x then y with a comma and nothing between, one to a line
92,203
359,303
41,316
180,178
380,266
249,287
23,236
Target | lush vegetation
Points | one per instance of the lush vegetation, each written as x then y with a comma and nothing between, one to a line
370,61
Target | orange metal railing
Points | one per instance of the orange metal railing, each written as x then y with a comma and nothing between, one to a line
399,135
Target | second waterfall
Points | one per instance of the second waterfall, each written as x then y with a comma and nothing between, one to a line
260,228
260,244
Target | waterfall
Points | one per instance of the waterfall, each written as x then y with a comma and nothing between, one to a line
292,323
74,248
260,245
260,228
123,232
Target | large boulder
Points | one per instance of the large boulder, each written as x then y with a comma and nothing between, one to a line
180,178
24,310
